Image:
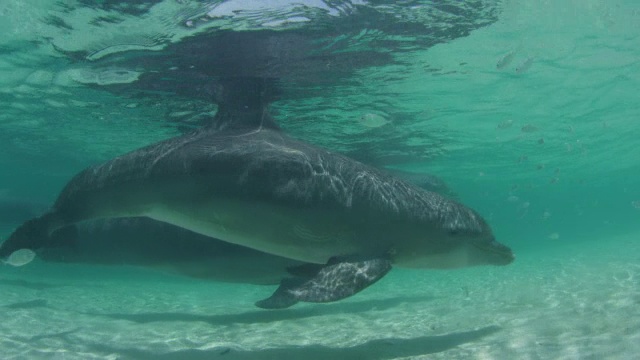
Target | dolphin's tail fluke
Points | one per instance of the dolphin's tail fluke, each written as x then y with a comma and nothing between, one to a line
37,233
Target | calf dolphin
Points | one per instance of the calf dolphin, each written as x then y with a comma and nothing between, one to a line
248,183
147,243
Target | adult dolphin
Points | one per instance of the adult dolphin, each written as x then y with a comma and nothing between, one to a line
244,181
144,242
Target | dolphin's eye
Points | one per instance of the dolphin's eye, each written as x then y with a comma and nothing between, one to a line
454,232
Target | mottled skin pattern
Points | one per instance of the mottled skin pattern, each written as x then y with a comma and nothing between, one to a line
335,281
339,276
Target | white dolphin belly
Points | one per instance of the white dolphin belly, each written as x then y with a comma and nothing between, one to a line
268,228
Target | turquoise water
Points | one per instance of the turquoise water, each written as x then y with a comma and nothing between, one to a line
527,110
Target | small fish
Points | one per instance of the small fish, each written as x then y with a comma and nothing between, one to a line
554,236
636,204
372,120
505,124
21,257
528,128
525,65
505,60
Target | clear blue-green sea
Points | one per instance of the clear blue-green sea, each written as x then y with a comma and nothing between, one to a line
527,111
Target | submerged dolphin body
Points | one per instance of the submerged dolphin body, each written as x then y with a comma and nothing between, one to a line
148,243
144,242
247,183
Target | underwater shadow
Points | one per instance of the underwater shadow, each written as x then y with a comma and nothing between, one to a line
266,316
375,349
62,335
31,304
33,285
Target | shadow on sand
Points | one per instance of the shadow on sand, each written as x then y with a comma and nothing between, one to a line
266,316
375,349
31,304
32,285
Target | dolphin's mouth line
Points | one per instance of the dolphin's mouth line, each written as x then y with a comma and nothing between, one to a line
508,254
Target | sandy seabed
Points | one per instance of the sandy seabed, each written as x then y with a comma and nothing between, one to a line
579,301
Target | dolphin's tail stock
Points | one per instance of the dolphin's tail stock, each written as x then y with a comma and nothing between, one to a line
44,231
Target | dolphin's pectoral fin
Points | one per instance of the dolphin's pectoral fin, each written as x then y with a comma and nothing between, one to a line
283,297
337,280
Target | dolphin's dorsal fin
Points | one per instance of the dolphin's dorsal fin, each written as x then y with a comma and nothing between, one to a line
226,119
243,103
